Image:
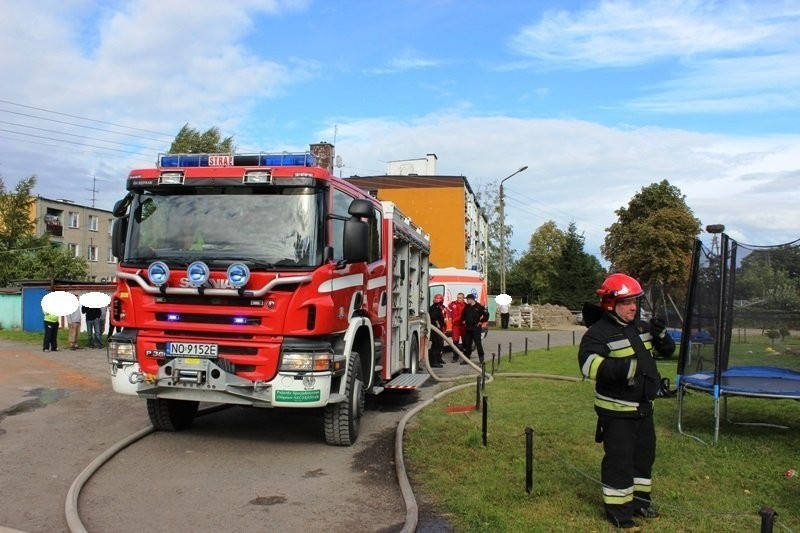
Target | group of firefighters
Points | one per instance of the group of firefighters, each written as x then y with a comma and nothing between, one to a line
465,317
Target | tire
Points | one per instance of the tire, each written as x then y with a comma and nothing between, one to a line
342,420
171,415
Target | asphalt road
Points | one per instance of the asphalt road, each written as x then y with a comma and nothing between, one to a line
234,470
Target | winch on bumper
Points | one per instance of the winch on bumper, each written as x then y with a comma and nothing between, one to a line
188,378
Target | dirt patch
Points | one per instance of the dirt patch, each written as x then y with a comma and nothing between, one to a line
545,316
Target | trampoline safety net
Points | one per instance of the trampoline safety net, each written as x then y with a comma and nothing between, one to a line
741,332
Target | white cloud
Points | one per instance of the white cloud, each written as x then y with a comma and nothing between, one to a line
721,56
583,172
406,60
628,32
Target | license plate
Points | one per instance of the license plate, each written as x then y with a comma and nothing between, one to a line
191,349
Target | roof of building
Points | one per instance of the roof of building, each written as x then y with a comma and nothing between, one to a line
411,181
71,204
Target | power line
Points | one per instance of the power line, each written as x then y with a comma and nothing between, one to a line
69,134
79,125
85,118
70,142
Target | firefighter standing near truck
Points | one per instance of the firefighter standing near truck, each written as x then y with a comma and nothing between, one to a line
472,318
617,352
438,314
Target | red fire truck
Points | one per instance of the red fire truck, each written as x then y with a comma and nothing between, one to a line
263,280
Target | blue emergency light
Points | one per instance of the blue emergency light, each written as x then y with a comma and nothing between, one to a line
263,159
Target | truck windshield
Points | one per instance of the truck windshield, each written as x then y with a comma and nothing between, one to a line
280,228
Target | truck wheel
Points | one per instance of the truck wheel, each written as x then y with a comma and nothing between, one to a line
343,419
171,415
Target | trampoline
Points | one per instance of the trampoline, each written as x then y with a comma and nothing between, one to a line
756,381
741,333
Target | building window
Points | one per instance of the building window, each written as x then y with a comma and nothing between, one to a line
111,258
94,222
73,220
110,226
73,249
93,253
52,224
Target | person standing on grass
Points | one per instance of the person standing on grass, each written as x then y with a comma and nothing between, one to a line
74,326
456,308
473,316
617,353
50,333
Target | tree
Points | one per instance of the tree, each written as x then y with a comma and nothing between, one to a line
653,237
190,140
532,275
577,274
488,197
15,210
22,253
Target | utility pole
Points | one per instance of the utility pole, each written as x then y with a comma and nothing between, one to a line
94,188
503,231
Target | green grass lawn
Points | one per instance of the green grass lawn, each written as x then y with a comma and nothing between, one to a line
697,487
38,338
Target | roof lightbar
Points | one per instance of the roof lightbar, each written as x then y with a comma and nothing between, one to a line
263,159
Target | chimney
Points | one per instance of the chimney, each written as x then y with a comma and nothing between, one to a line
323,152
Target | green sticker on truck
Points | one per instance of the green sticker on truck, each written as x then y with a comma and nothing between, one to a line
297,396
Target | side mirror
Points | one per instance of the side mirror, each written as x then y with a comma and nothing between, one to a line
361,208
355,247
118,232
121,207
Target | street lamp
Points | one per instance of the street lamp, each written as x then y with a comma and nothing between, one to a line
503,231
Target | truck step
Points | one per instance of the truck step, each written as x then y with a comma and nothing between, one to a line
407,381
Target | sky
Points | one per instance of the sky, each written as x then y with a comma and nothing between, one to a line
597,98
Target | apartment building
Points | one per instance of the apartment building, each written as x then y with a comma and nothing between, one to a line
444,206
84,231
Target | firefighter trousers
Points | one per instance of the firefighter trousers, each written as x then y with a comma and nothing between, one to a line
626,472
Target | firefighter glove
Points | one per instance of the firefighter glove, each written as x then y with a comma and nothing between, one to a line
658,328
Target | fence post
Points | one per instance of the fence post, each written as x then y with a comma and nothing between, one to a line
485,418
526,345
767,518
478,394
548,342
528,460
509,352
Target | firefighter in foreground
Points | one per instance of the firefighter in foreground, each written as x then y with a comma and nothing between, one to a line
618,353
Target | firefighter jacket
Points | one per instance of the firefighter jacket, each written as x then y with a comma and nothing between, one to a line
473,315
438,312
618,356
456,309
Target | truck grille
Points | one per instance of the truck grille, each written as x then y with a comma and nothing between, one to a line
192,318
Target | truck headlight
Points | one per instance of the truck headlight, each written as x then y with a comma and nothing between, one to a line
306,362
122,351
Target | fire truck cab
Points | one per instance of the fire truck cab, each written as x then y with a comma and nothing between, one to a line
263,280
